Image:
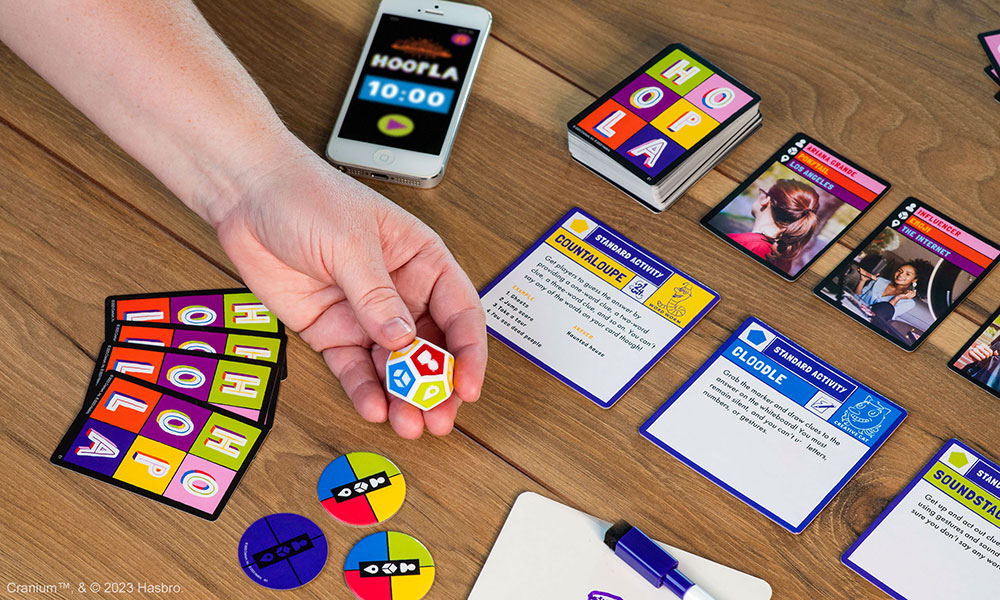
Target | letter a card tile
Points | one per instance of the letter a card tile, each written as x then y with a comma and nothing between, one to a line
593,308
172,448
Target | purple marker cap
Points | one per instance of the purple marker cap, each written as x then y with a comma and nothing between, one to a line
647,558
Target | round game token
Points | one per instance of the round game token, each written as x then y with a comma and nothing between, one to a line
389,566
361,488
282,551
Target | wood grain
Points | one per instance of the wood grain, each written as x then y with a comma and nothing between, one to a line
899,89
61,526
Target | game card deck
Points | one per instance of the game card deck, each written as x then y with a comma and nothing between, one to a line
661,129
183,393
227,308
593,308
239,385
773,425
979,360
940,537
795,206
268,347
176,450
909,274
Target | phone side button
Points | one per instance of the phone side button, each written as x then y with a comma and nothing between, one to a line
384,157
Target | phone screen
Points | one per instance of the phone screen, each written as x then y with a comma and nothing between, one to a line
409,84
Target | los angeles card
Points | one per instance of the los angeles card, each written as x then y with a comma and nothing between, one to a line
795,206
909,274
593,308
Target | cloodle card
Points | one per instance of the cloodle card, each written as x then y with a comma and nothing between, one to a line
909,274
940,537
229,308
592,308
773,425
239,385
795,206
178,451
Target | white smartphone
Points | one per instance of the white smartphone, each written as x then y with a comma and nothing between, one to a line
409,90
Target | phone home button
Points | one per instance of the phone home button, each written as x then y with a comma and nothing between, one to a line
384,157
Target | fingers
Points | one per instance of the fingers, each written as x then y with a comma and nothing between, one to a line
440,420
353,366
370,290
407,420
456,308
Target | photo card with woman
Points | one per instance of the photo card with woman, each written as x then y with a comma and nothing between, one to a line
909,274
797,204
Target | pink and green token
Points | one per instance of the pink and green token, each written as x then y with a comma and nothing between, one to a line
361,488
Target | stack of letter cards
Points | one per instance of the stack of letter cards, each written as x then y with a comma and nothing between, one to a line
909,274
661,129
182,395
940,537
761,412
592,308
795,206
991,44
549,550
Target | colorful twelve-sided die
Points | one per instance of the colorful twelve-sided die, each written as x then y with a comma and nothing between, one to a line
421,374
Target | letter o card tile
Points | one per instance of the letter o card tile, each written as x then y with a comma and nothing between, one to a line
592,308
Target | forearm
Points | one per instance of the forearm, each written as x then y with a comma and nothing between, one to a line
154,76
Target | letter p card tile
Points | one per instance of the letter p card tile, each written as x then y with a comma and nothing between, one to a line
172,448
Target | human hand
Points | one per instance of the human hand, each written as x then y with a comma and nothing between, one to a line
907,295
865,274
353,273
979,352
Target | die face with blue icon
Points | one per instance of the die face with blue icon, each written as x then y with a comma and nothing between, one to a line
421,374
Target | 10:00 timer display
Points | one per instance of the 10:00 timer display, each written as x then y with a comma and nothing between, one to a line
405,93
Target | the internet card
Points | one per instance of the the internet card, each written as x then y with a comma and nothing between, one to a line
795,206
940,537
909,274
773,425
592,308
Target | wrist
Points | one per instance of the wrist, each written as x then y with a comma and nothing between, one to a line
224,183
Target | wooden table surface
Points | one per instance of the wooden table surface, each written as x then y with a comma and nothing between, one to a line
898,87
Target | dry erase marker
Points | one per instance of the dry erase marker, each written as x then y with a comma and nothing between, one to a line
651,561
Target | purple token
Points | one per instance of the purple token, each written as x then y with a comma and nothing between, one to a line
282,551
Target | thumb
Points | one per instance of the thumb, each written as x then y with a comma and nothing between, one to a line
379,309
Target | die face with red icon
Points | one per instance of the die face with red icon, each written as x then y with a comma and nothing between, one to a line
421,373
